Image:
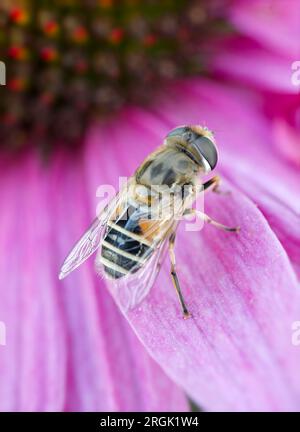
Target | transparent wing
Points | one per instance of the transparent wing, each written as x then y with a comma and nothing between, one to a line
91,239
131,289
84,248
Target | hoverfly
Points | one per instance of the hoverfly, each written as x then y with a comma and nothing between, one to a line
130,237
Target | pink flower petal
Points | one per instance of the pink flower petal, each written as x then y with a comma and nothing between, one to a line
68,347
33,362
274,23
250,63
287,139
236,352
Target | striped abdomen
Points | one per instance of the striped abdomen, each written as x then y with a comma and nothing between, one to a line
124,249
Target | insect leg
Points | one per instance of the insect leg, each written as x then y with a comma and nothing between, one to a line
211,221
174,277
214,185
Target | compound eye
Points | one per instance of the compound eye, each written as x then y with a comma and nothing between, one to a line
208,150
179,131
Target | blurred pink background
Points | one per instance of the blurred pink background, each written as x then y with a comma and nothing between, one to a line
91,89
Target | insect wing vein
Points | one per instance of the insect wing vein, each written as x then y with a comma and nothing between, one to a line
90,241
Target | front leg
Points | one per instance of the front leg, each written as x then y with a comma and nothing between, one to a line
214,185
209,220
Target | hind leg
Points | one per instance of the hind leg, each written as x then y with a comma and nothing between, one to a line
174,277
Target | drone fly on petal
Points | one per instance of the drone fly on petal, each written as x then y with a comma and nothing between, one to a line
133,230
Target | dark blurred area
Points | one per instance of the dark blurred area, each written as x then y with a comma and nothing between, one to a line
72,61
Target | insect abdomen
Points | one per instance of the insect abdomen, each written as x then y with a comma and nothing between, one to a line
124,249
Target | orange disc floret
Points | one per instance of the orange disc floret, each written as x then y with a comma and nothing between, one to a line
80,34
17,52
51,28
116,35
18,16
105,3
49,54
16,84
